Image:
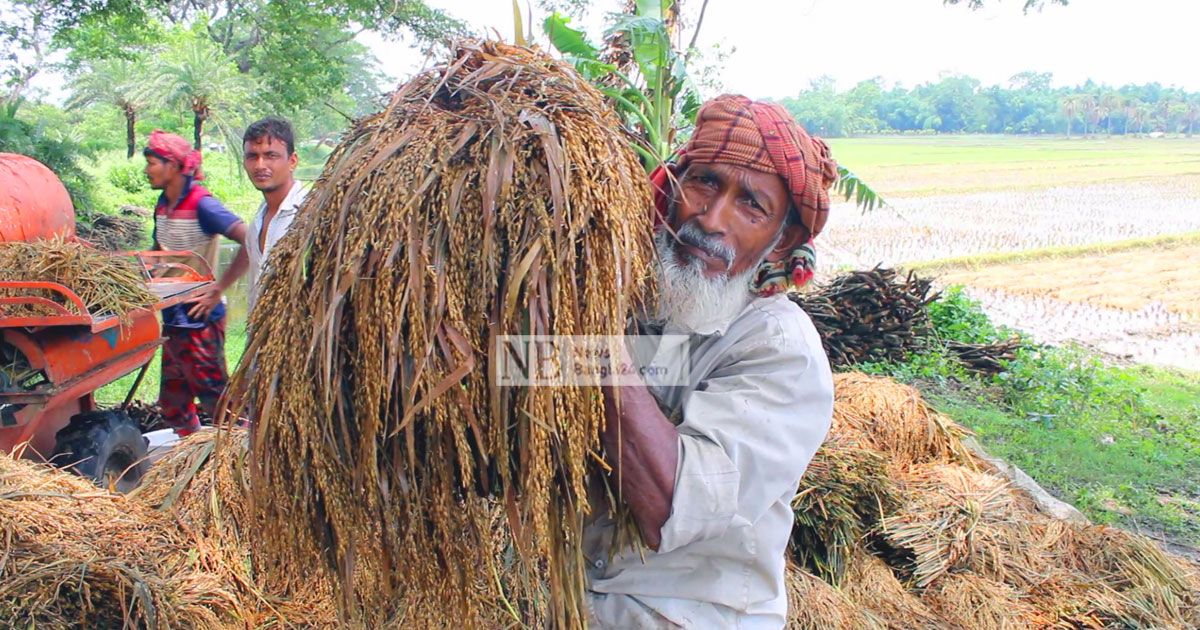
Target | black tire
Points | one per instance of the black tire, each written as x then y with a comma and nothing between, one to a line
105,446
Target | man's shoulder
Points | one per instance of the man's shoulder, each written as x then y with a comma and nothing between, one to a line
776,320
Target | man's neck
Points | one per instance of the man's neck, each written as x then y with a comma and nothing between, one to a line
174,191
275,198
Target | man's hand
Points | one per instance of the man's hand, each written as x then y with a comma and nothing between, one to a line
204,302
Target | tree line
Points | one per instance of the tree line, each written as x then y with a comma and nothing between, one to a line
1028,104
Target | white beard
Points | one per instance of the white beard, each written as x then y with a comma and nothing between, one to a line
689,301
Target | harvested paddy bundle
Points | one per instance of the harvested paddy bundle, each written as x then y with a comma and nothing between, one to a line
73,555
107,284
203,483
954,519
893,418
1139,584
844,493
872,585
815,605
967,600
496,195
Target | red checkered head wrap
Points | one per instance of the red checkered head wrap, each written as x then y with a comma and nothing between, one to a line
732,129
173,148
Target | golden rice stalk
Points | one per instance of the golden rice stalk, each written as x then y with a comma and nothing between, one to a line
872,585
496,195
815,605
73,555
107,284
966,600
843,495
894,419
1141,585
203,482
955,519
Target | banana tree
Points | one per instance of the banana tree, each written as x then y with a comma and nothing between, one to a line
645,76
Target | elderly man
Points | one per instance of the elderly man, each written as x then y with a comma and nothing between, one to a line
188,218
708,468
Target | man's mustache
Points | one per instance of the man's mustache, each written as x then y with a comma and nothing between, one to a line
694,236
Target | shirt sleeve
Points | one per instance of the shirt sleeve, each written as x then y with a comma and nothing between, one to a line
749,432
214,218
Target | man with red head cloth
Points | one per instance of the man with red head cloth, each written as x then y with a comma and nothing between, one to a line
188,218
708,466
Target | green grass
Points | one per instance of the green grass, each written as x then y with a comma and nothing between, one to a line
1120,443
1126,452
926,165
114,393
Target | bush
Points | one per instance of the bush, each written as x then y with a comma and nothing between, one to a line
129,177
956,317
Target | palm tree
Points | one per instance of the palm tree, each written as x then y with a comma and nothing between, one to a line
1070,108
1132,112
1192,115
113,81
1111,103
1091,112
193,73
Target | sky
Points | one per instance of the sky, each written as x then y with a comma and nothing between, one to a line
780,46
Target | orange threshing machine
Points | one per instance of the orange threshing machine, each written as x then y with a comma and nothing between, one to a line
51,365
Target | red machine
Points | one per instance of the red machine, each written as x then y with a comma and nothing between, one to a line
51,365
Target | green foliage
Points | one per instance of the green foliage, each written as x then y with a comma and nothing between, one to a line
52,147
1121,443
129,177
956,317
960,104
645,76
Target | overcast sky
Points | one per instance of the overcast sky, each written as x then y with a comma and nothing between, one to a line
781,45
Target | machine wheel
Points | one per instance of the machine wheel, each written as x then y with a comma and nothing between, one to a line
106,446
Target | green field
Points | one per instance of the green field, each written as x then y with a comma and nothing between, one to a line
927,165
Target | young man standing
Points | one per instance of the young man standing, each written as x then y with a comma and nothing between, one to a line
269,157
188,218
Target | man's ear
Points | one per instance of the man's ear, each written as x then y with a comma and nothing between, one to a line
794,235
292,159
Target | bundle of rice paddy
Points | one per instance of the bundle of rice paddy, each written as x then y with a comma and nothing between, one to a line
496,195
871,584
892,418
203,484
967,600
73,555
813,604
956,519
843,495
107,284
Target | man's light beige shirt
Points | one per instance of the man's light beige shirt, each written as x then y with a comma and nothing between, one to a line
757,404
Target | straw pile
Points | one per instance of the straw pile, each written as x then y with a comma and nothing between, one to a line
494,196
115,232
893,419
72,555
108,285
954,545
843,495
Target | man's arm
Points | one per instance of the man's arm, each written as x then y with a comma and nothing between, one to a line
216,219
643,448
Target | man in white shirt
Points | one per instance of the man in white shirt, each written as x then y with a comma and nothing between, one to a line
708,466
269,157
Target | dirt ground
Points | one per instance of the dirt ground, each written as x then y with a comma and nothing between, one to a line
1129,280
1139,305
